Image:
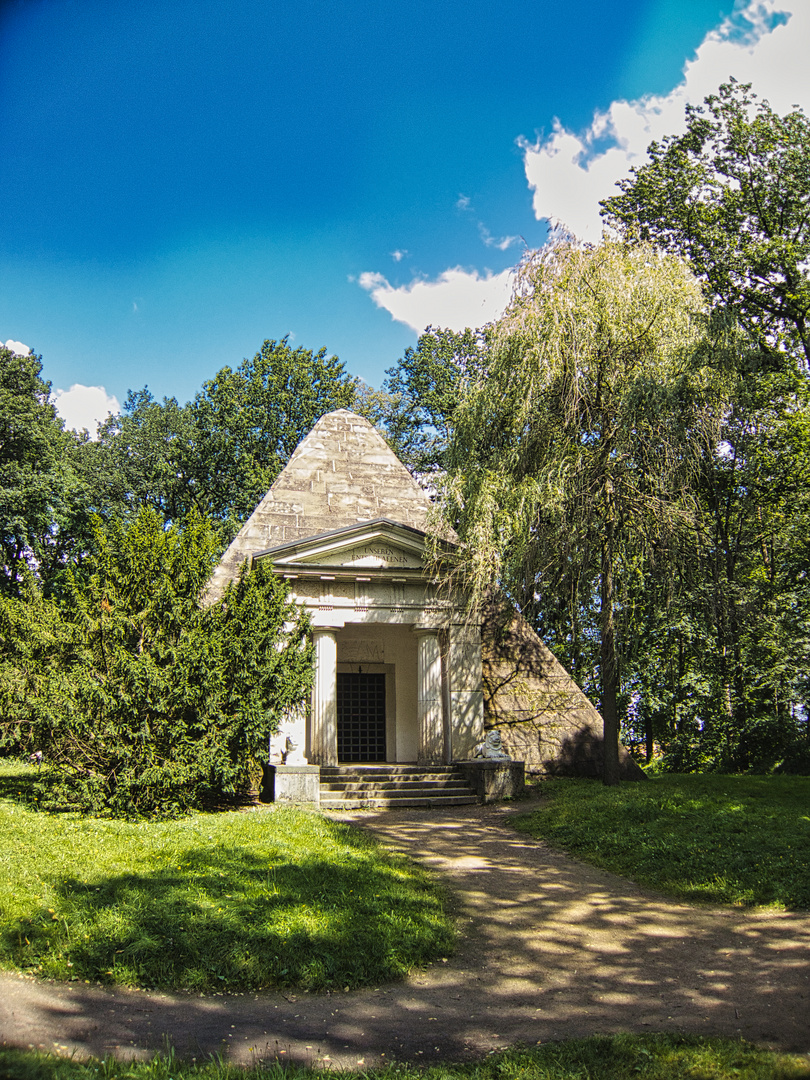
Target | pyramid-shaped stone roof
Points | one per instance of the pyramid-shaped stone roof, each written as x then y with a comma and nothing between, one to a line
341,474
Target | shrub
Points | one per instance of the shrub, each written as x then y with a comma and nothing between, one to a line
144,699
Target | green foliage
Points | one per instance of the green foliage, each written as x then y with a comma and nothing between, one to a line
249,421
737,840
731,195
143,457
218,454
713,625
235,901
145,700
601,1057
37,482
423,391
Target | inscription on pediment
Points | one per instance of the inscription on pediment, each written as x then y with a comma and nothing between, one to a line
379,553
373,553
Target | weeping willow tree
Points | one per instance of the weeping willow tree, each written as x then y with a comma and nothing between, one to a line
577,450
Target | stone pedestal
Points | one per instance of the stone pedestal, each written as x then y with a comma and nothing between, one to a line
295,785
493,780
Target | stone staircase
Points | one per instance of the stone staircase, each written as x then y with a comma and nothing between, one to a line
388,787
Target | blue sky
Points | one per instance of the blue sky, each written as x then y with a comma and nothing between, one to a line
184,180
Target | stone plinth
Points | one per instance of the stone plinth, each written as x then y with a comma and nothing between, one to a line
493,780
293,785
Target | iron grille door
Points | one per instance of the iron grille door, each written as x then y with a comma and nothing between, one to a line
360,717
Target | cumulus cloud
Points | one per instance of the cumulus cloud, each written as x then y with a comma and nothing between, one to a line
85,407
763,42
16,347
455,300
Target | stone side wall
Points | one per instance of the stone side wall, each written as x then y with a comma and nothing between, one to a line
544,718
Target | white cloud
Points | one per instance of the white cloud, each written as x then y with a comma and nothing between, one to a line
85,407
569,173
398,255
463,202
501,243
16,347
455,300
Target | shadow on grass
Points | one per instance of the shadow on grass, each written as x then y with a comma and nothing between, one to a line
231,920
18,781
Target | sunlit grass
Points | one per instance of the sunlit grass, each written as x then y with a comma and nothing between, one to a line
231,901
737,840
653,1057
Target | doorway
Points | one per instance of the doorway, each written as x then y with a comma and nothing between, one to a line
360,717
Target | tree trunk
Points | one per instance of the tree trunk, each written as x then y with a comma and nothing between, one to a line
648,736
610,719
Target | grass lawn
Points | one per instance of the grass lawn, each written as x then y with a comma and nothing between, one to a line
231,901
651,1057
738,840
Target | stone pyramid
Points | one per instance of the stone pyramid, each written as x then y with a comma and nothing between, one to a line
342,473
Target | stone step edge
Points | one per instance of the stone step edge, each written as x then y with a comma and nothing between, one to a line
376,804
399,770
375,793
340,785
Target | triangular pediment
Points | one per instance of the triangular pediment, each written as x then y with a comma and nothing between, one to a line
374,545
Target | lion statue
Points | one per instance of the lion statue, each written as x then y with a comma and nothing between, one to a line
492,748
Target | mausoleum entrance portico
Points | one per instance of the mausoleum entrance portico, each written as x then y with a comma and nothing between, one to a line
397,680
383,688
365,711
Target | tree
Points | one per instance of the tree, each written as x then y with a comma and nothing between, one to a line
37,481
144,457
218,454
577,446
421,394
142,698
732,196
248,422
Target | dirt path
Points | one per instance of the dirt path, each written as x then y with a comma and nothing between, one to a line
551,949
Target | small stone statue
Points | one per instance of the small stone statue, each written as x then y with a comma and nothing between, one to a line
492,748
292,753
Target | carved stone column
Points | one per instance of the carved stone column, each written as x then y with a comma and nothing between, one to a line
324,698
429,677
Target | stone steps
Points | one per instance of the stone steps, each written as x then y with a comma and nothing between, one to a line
377,787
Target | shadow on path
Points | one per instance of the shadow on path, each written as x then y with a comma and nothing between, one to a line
550,949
